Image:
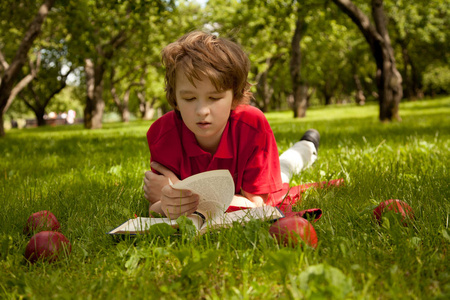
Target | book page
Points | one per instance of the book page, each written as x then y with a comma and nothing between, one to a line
215,188
142,225
265,213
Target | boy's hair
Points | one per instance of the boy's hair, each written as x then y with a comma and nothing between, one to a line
200,54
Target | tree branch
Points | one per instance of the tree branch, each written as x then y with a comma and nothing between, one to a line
3,61
34,69
28,104
116,42
33,31
125,75
20,86
114,94
55,92
360,19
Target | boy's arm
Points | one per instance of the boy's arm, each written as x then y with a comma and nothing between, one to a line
153,182
249,199
164,199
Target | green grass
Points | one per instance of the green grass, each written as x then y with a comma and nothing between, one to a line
91,180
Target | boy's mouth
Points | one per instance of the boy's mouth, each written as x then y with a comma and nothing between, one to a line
203,124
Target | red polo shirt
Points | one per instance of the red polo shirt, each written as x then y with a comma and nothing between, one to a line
247,149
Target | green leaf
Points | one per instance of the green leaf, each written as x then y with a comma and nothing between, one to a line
164,230
445,234
133,261
324,282
182,254
187,228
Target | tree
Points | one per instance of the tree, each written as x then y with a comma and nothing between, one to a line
299,86
40,91
334,54
122,101
263,28
52,67
135,72
10,71
421,36
100,29
389,79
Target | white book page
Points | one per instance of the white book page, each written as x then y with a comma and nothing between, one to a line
141,224
215,188
243,216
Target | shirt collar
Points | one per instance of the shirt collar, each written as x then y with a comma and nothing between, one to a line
192,148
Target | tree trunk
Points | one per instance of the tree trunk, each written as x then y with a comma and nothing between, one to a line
327,98
38,109
41,101
360,99
299,87
146,107
2,127
13,70
93,112
95,70
300,101
40,117
328,91
264,91
123,106
388,78
412,82
125,109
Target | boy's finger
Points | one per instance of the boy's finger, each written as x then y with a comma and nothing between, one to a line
164,171
149,176
181,202
170,192
176,211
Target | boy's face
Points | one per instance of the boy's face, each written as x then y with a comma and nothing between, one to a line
204,110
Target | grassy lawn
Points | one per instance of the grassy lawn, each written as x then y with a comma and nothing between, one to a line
91,181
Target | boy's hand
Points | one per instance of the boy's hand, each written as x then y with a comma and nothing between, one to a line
258,200
175,203
153,183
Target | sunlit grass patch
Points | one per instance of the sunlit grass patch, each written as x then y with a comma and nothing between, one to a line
92,182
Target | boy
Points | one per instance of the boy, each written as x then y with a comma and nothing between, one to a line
213,127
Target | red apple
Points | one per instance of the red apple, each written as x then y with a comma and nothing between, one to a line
288,230
48,246
394,206
41,221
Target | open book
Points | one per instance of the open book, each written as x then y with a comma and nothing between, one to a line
216,191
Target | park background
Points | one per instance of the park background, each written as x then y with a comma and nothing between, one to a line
372,76
101,59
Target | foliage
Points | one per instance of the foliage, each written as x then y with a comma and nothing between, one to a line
436,79
91,181
15,16
420,35
333,50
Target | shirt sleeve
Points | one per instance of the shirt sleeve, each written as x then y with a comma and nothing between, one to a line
164,143
262,173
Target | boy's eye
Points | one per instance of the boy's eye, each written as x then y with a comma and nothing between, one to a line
189,99
215,98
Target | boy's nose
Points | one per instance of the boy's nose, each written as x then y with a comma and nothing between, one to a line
202,108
